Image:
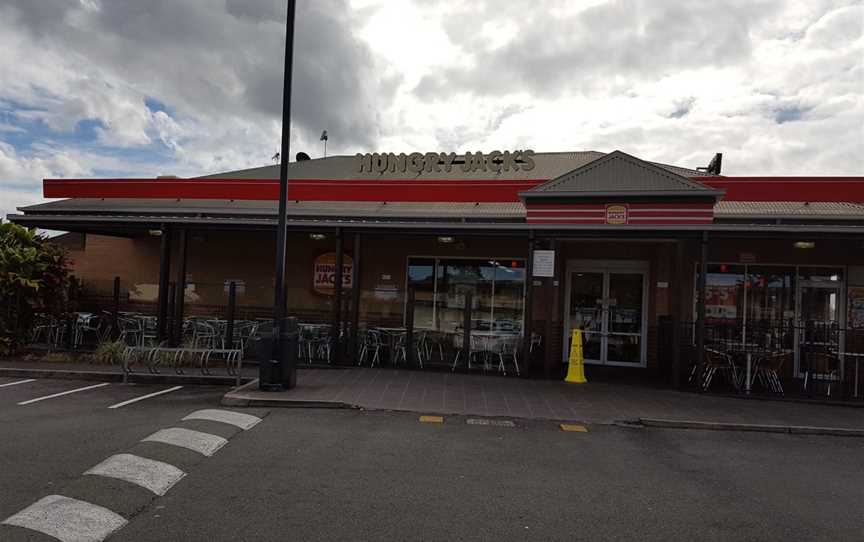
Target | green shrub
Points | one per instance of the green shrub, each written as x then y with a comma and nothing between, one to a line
58,357
109,353
34,278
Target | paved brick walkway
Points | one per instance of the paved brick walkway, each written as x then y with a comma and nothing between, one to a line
447,393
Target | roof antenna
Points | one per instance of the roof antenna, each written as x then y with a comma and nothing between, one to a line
324,138
714,166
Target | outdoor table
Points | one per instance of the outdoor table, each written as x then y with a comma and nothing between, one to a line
492,338
747,351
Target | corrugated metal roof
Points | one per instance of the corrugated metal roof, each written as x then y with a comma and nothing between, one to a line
548,165
390,210
789,209
619,172
330,209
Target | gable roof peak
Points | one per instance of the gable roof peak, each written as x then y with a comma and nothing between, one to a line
620,174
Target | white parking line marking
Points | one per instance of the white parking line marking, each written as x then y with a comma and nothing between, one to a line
156,476
68,520
18,382
36,400
148,396
243,421
197,441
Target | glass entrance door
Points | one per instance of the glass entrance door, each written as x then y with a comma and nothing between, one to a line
586,312
608,304
819,324
624,317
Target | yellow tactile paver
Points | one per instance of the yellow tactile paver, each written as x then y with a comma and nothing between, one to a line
431,419
574,428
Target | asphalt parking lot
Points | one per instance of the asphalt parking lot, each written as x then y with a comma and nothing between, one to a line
376,475
48,443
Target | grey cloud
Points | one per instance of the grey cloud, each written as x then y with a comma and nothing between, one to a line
212,60
626,38
504,114
789,113
256,11
682,108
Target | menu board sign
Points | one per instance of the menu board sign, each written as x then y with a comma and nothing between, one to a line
324,273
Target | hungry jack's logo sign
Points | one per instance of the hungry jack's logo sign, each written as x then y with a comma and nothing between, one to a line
324,273
436,162
617,214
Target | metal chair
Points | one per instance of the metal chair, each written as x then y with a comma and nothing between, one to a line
719,363
824,367
371,343
508,346
768,372
478,348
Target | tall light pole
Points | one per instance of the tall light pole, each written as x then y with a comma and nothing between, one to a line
279,304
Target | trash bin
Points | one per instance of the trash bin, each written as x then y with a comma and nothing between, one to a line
269,369
277,371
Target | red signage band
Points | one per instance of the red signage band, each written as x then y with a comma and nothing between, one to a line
796,189
303,190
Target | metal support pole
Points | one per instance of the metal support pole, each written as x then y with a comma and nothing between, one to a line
288,343
700,302
409,328
549,298
280,302
229,324
336,321
527,327
677,315
72,320
466,328
180,291
172,297
115,308
355,300
164,277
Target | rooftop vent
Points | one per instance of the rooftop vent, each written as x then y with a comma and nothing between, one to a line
714,166
302,157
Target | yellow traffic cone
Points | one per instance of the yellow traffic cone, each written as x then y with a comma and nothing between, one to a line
576,369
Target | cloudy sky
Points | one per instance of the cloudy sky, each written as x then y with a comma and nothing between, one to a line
93,88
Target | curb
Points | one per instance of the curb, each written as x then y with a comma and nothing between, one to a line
110,376
240,397
751,427
846,403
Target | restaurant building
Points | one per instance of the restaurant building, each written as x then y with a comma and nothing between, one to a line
654,262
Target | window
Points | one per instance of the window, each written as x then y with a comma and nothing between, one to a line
771,306
441,286
758,303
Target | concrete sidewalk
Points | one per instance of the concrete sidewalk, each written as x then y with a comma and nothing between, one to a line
602,403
